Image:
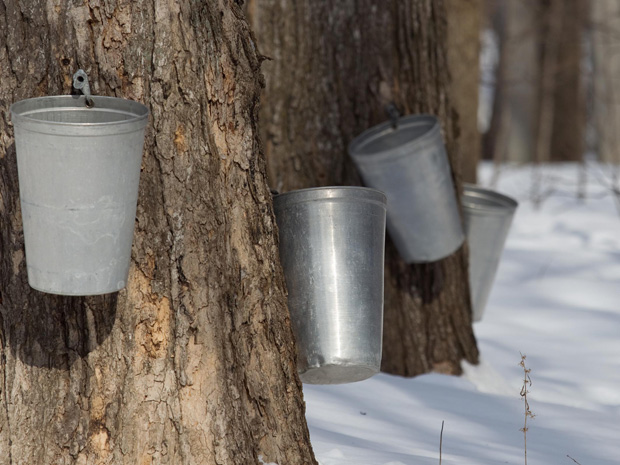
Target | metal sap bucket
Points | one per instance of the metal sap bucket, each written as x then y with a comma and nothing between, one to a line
488,215
410,165
78,172
332,242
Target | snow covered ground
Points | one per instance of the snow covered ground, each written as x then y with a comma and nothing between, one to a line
556,299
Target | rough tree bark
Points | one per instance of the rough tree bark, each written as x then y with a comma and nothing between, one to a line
194,362
331,69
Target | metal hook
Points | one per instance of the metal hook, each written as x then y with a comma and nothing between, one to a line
393,113
80,82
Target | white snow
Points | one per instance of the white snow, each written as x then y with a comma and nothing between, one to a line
556,299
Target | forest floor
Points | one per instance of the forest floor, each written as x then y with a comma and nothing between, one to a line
556,299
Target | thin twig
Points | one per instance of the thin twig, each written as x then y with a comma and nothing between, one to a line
527,382
573,459
440,441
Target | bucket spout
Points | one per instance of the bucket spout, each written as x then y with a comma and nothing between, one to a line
393,114
80,82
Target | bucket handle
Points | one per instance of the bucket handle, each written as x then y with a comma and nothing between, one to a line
80,82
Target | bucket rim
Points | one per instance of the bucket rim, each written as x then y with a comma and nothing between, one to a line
494,202
383,129
136,112
310,194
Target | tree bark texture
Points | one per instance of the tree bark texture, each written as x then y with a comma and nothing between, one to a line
331,68
464,23
194,362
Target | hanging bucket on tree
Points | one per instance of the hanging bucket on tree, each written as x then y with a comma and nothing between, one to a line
407,160
332,242
79,168
488,215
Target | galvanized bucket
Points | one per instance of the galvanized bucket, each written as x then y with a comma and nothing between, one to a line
488,215
78,172
410,165
332,242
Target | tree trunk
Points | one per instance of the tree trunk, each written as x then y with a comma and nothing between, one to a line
332,68
568,137
540,105
513,131
551,35
194,362
464,23
605,18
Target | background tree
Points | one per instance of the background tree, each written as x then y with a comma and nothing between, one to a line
569,99
539,111
464,24
194,362
513,128
330,70
605,36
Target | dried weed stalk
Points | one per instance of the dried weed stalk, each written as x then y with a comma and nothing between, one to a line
527,383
